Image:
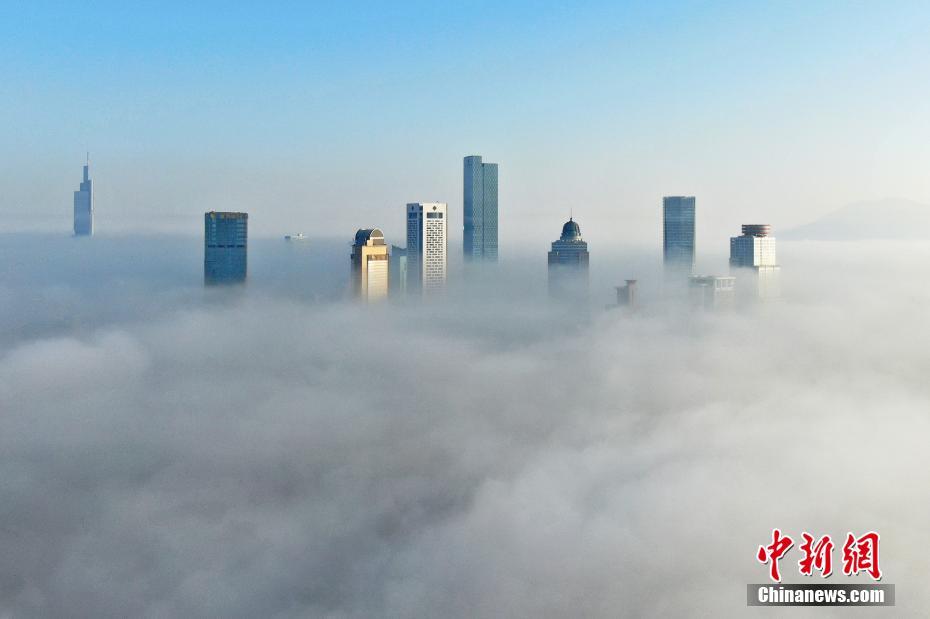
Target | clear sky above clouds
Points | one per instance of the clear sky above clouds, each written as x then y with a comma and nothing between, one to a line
326,117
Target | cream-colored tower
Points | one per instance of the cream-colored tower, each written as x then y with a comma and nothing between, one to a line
370,265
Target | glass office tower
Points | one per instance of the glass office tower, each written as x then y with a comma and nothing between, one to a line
678,234
225,247
479,218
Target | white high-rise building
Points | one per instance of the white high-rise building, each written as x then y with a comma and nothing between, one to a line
84,205
753,261
427,240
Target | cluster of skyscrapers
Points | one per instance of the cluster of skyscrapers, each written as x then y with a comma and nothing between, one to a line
421,267
753,265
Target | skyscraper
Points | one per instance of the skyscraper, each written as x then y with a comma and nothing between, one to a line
753,261
568,264
84,205
398,270
479,219
678,235
370,265
225,247
427,234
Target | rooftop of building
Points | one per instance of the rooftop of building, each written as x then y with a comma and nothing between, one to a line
757,229
571,231
369,236
226,215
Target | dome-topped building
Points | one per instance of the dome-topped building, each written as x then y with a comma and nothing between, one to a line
571,231
568,263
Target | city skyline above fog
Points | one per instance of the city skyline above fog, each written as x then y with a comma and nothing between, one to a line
534,417
171,452
332,118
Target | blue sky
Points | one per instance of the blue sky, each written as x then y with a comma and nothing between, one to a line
300,112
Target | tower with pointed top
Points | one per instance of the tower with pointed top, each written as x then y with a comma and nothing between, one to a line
84,204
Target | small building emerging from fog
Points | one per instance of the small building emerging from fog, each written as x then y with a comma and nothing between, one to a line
398,270
711,292
626,296
568,264
370,265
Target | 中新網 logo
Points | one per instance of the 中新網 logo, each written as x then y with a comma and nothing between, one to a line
860,554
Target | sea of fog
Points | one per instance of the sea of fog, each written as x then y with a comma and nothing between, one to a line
277,450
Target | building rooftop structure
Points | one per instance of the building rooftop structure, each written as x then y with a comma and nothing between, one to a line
571,231
369,236
756,229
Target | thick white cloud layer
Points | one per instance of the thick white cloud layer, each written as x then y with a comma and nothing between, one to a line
262,455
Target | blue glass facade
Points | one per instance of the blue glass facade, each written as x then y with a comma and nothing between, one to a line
84,206
225,247
479,216
678,233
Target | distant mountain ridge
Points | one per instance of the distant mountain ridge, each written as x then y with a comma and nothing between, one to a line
892,219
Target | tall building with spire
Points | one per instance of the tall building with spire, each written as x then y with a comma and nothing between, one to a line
427,239
370,265
479,217
84,204
568,264
225,252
